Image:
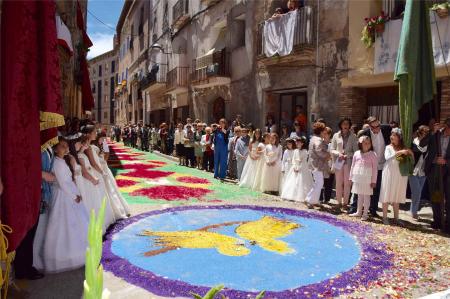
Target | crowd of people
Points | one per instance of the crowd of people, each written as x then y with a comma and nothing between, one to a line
75,180
364,167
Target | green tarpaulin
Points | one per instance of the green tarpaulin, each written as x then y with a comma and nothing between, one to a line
414,70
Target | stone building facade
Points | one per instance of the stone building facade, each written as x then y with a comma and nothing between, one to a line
70,64
205,59
103,71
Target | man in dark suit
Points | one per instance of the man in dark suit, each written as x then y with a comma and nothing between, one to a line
380,137
438,161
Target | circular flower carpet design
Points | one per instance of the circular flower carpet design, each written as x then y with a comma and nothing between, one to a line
289,253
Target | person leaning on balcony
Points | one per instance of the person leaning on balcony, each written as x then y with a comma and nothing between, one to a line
343,145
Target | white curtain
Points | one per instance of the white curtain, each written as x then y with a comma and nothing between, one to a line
385,114
279,34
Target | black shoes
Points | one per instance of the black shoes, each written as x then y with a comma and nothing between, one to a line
31,274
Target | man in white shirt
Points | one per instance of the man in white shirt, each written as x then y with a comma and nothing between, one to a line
380,137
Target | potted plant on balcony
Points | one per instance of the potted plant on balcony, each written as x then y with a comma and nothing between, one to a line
441,9
374,27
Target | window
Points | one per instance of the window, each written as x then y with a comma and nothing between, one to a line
106,99
117,78
100,70
105,115
126,74
106,83
106,67
113,66
238,29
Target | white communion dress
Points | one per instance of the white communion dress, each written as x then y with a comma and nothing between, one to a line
259,168
286,165
93,195
118,203
393,184
299,179
270,181
66,235
249,170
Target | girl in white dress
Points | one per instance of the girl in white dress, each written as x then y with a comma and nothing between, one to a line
299,179
393,184
249,170
271,173
93,186
66,234
363,174
261,162
118,203
286,162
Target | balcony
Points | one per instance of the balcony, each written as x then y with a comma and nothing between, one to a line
211,70
180,13
155,80
303,43
177,80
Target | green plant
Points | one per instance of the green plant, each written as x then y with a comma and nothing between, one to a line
215,290
93,284
374,26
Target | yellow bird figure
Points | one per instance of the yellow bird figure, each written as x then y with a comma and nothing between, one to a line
198,239
265,231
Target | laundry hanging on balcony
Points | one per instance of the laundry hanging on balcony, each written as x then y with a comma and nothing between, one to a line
279,34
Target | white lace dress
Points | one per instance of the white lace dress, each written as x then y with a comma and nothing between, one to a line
92,195
118,203
259,168
271,174
66,234
393,184
249,170
286,165
299,178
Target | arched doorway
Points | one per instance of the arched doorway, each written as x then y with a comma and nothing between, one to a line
218,109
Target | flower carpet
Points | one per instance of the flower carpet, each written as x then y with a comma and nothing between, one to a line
199,233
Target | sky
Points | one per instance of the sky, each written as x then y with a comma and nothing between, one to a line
108,11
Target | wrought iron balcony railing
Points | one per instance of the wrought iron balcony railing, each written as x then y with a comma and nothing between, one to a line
178,77
303,34
216,64
157,75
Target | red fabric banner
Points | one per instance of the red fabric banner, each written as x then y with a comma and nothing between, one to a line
80,24
30,103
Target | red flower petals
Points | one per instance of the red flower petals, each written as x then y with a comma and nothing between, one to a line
148,174
125,183
171,193
140,166
192,180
